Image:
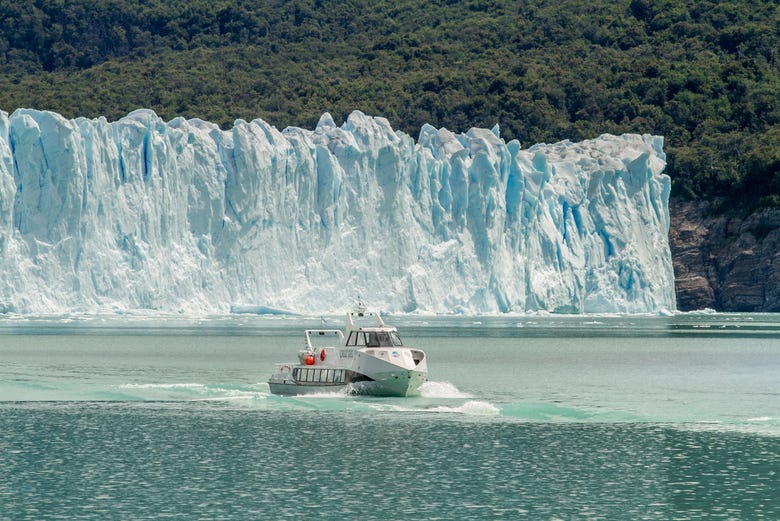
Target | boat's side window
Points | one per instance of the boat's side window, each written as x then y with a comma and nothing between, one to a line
356,338
373,341
396,339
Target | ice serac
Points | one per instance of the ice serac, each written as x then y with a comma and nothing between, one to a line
140,214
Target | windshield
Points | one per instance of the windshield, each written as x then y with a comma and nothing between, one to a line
374,339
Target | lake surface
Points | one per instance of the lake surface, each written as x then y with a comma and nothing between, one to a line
524,417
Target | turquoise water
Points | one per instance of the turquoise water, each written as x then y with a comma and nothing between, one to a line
531,417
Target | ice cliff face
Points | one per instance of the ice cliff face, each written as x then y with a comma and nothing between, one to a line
181,216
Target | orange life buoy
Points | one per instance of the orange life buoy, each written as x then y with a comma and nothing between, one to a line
309,360
322,355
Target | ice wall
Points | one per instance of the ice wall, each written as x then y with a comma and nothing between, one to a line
182,216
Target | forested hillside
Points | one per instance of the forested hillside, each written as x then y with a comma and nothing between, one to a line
704,74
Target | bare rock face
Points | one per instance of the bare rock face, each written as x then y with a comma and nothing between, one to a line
725,261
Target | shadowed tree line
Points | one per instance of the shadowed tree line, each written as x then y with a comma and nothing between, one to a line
704,74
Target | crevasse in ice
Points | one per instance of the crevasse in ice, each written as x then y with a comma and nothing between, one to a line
140,214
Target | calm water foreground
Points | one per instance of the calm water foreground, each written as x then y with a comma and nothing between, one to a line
531,417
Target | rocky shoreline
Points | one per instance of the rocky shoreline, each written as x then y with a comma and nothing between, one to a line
723,260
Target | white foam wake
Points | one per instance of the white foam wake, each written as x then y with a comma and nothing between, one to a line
471,408
441,390
192,386
192,391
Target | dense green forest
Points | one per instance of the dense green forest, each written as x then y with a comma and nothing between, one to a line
705,74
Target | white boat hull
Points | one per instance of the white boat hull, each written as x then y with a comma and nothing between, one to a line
404,383
397,382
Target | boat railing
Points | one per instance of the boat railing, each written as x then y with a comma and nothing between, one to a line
358,318
322,335
283,369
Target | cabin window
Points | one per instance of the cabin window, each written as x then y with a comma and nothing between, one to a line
383,339
356,338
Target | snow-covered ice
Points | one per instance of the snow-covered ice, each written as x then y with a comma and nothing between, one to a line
140,214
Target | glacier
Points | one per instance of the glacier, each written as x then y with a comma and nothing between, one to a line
183,217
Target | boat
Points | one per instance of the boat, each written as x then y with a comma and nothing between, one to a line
363,359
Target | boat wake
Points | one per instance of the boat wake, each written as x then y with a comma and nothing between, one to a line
187,391
193,392
441,390
470,408
433,390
